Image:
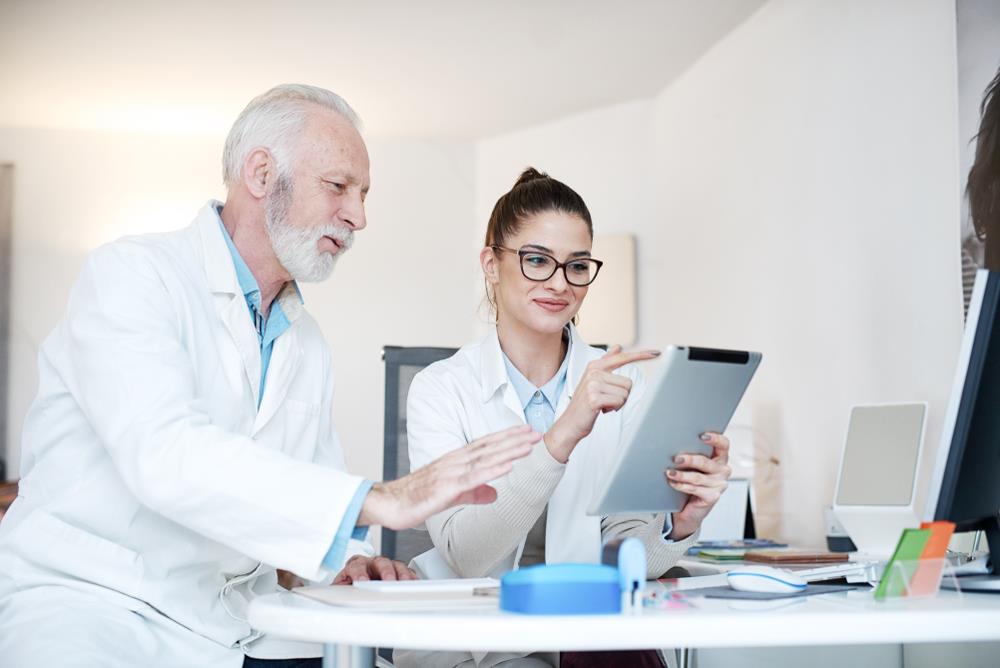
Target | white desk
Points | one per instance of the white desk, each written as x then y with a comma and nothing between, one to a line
847,618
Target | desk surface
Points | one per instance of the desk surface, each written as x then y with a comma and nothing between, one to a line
845,618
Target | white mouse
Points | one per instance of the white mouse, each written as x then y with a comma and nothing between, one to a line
764,579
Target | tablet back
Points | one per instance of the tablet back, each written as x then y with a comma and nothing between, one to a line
697,392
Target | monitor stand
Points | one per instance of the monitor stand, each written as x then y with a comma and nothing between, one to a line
991,581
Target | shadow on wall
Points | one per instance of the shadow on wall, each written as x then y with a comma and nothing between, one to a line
768,441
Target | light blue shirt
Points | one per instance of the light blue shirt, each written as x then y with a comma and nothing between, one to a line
539,404
269,329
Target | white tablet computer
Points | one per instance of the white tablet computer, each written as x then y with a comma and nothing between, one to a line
698,391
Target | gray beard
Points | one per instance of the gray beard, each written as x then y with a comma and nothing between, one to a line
296,247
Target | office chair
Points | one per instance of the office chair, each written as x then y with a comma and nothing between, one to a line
401,365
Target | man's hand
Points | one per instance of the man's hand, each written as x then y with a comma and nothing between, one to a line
457,478
360,568
704,478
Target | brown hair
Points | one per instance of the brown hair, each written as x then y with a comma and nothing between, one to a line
533,193
983,188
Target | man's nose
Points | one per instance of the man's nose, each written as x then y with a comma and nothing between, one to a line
353,212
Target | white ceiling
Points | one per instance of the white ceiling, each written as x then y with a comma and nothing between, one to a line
432,67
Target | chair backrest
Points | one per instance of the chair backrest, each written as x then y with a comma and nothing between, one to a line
401,365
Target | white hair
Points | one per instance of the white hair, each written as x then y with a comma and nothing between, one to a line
273,121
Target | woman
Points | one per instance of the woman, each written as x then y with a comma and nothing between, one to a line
534,367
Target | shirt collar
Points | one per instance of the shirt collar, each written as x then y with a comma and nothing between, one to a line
248,284
525,389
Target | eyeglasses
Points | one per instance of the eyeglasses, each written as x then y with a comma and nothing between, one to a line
537,266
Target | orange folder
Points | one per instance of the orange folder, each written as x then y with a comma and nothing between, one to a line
927,577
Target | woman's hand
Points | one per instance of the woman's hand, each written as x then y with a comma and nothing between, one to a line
704,478
599,391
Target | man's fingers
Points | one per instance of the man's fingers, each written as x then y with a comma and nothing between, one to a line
383,569
470,480
402,572
493,457
478,495
510,448
500,436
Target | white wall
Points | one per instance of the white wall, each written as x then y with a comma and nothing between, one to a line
795,192
76,190
606,155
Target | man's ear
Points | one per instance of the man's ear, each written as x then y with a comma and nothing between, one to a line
488,261
258,171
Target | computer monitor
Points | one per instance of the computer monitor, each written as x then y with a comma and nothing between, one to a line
875,497
965,486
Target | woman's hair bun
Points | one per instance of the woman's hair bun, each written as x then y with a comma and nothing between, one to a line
530,174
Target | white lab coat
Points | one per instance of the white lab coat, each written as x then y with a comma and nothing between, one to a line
467,396
151,482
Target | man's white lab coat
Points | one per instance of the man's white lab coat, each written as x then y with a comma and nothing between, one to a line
151,481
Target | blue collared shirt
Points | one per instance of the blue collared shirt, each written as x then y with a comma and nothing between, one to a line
269,329
539,404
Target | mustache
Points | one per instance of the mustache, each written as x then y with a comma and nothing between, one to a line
343,235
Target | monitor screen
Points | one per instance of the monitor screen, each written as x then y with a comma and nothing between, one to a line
881,455
969,487
965,487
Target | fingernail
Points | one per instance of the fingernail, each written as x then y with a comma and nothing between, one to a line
679,459
655,353
706,437
672,473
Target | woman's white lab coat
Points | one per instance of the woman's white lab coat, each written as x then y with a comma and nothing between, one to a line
150,479
468,395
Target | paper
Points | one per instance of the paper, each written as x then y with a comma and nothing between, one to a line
356,597
466,585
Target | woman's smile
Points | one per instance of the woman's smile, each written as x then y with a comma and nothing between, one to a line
550,304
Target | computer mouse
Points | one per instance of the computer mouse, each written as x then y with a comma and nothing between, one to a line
764,579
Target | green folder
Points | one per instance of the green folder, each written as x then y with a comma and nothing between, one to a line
895,578
722,554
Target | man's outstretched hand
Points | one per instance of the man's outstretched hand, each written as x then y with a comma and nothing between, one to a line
457,478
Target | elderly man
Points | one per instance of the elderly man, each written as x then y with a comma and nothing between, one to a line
181,449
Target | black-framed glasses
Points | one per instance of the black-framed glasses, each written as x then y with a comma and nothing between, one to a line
538,266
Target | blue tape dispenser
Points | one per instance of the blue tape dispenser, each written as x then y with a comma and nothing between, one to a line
629,556
562,589
578,589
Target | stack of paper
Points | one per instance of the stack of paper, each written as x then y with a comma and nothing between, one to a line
410,594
